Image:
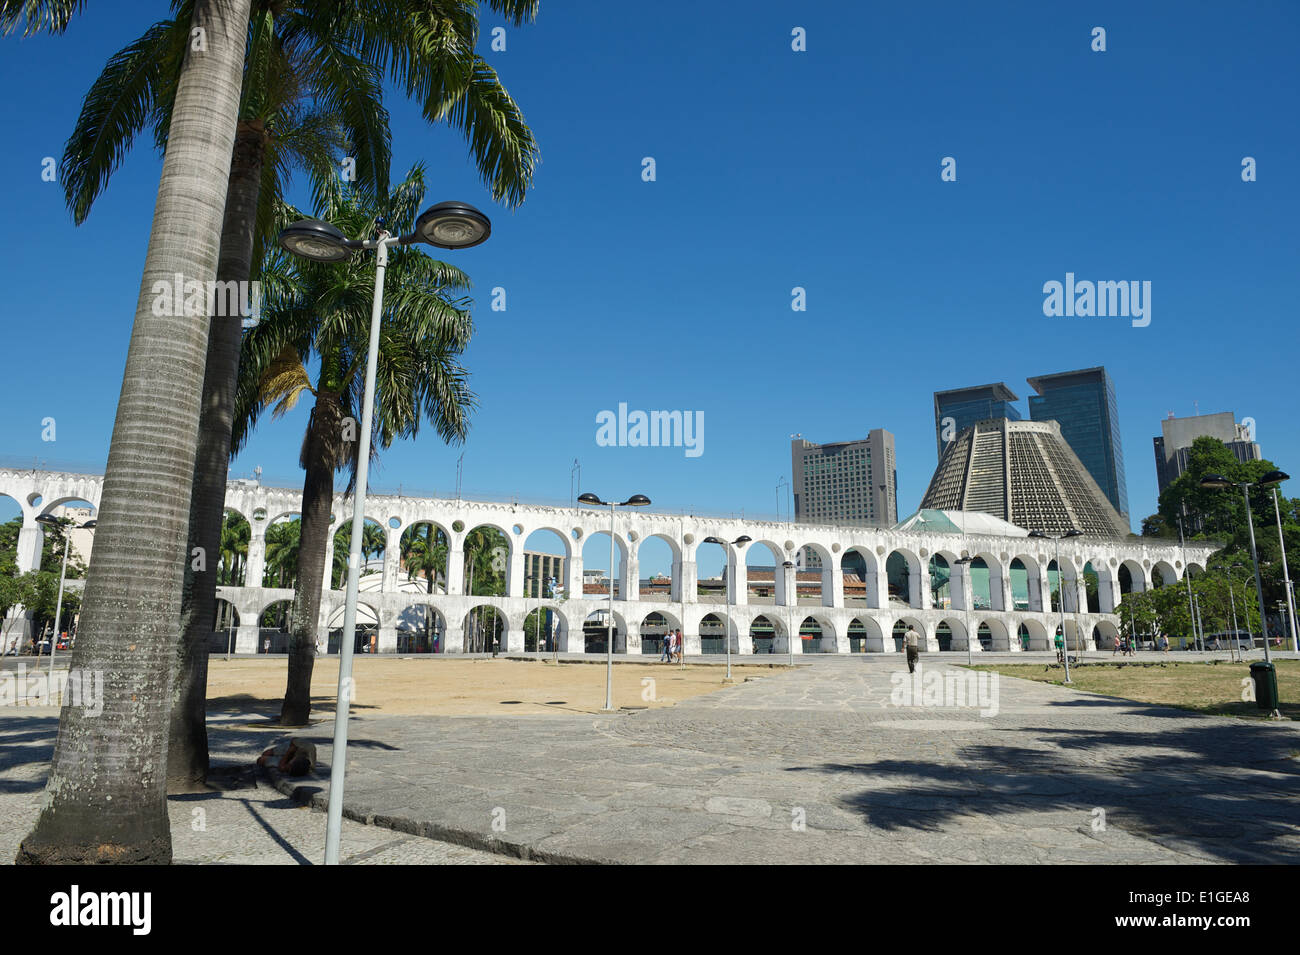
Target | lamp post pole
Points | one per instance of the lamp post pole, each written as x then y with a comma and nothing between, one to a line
591,500
447,225
1286,574
1060,587
53,521
728,577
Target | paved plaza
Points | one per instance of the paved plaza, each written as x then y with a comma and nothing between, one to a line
813,765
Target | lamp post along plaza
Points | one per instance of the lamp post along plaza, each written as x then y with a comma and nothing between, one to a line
52,521
1272,477
591,500
729,578
1060,588
447,225
1286,574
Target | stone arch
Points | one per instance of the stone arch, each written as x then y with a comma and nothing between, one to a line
764,589
769,636
595,631
484,626
547,625
945,577
1066,591
599,538
825,595
858,560
864,635
471,559
955,636
366,629
1163,574
421,627
651,585
1026,579
713,629
904,574
1103,635
1033,635
652,631
993,635
821,629
988,582
1131,576
899,630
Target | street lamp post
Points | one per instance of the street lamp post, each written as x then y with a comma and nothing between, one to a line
591,500
447,225
1286,574
1060,586
52,521
727,582
1272,477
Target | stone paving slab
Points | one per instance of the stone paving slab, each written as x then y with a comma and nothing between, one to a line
247,822
813,765
817,766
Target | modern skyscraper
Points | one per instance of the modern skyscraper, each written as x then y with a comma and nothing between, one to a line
1026,473
847,482
958,409
1177,435
1083,404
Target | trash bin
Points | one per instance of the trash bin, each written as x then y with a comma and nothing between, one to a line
1265,677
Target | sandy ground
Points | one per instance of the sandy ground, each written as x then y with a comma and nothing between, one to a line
392,687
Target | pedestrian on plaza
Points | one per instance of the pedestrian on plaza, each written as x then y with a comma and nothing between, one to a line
1060,648
667,654
1116,650
912,642
1164,642
677,645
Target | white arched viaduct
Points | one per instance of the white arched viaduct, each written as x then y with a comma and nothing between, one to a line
870,619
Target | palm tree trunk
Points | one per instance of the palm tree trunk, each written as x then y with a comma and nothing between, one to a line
106,798
187,753
317,500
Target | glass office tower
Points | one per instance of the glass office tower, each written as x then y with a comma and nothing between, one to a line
963,407
1083,404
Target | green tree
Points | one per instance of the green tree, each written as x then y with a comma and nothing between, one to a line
319,314
283,540
132,597
235,536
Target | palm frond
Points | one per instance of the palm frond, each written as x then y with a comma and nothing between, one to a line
37,16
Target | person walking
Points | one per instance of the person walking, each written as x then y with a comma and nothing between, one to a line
1060,648
1116,650
667,654
912,643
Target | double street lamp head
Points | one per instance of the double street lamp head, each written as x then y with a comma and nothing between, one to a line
448,225
636,500
1219,480
743,539
1072,532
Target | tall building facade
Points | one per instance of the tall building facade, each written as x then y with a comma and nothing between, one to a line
958,409
846,482
1177,435
1083,403
1024,472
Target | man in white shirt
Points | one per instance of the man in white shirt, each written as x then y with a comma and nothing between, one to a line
911,641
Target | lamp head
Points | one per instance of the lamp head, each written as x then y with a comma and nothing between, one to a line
589,499
316,240
48,519
1215,480
453,225
636,500
1274,477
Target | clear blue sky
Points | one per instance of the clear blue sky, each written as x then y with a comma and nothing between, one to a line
775,169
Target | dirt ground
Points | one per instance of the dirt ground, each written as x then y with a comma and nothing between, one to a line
385,686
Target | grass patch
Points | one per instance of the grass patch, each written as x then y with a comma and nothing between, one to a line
1213,688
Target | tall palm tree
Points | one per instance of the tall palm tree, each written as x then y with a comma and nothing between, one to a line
311,93
319,314
132,598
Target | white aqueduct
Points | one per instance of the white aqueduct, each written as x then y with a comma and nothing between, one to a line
871,618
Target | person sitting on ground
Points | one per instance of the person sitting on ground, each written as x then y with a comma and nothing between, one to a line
297,757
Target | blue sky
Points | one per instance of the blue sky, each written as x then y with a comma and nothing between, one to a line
775,169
